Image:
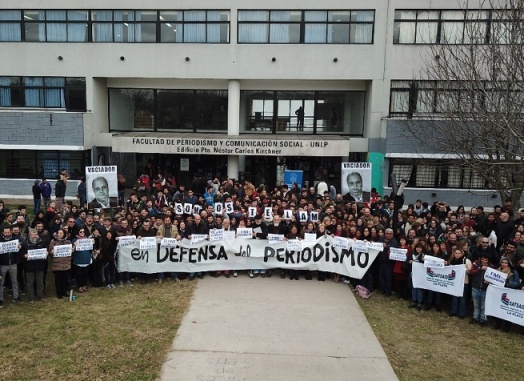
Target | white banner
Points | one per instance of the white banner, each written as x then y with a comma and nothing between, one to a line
33,255
9,246
396,254
498,278
84,244
63,251
242,254
505,303
449,280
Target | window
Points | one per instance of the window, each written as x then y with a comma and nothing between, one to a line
189,26
167,110
433,173
446,26
322,113
305,27
38,164
43,92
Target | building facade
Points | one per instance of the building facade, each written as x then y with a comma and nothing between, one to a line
230,88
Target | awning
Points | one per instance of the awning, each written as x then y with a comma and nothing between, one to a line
222,144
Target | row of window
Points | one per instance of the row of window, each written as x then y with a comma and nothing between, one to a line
409,98
43,92
305,112
456,27
187,26
436,174
30,164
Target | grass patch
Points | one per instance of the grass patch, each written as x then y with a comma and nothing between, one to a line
121,334
427,345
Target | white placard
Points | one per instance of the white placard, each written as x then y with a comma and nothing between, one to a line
396,254
375,245
147,243
268,213
195,238
229,235
302,215
498,278
341,243
62,251
288,214
314,216
433,262
33,255
251,212
126,240
229,207
188,208
179,208
294,245
310,237
273,238
84,244
169,242
216,234
9,246
244,232
360,246
196,209
219,209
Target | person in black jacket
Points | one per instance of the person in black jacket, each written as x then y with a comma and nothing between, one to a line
9,264
34,268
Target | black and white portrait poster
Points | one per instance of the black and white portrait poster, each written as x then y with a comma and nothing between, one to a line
102,187
356,181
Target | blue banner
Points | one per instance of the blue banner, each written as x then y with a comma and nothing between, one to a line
291,177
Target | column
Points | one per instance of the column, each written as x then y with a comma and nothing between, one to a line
233,123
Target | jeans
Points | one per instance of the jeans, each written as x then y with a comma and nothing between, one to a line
479,302
37,203
417,295
13,275
385,277
436,296
458,304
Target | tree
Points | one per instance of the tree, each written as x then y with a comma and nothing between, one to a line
469,100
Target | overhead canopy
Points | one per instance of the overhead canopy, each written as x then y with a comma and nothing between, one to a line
221,144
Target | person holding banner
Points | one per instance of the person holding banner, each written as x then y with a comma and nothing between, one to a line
415,256
478,289
60,265
167,230
34,268
458,303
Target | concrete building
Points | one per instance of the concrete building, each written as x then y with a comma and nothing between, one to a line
237,88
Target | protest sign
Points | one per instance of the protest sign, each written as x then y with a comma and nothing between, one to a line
9,246
396,254
63,251
294,245
229,235
168,242
433,262
448,280
126,240
84,244
33,255
216,234
498,278
147,243
198,238
505,303
272,238
241,254
244,233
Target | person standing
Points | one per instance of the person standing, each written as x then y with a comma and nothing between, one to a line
34,269
60,266
37,197
82,192
9,264
60,192
46,190
300,118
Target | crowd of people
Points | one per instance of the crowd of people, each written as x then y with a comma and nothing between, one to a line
473,238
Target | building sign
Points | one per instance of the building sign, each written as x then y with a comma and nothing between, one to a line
201,144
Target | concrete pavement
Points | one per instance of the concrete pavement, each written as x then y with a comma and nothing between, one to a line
275,329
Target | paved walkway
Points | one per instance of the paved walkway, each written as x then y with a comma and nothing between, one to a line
275,329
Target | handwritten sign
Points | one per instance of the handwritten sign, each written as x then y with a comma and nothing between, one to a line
245,233
396,254
274,238
33,255
341,243
63,251
169,242
498,278
294,245
9,246
375,245
229,235
216,234
433,262
359,246
198,238
84,244
310,237
126,240
147,243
